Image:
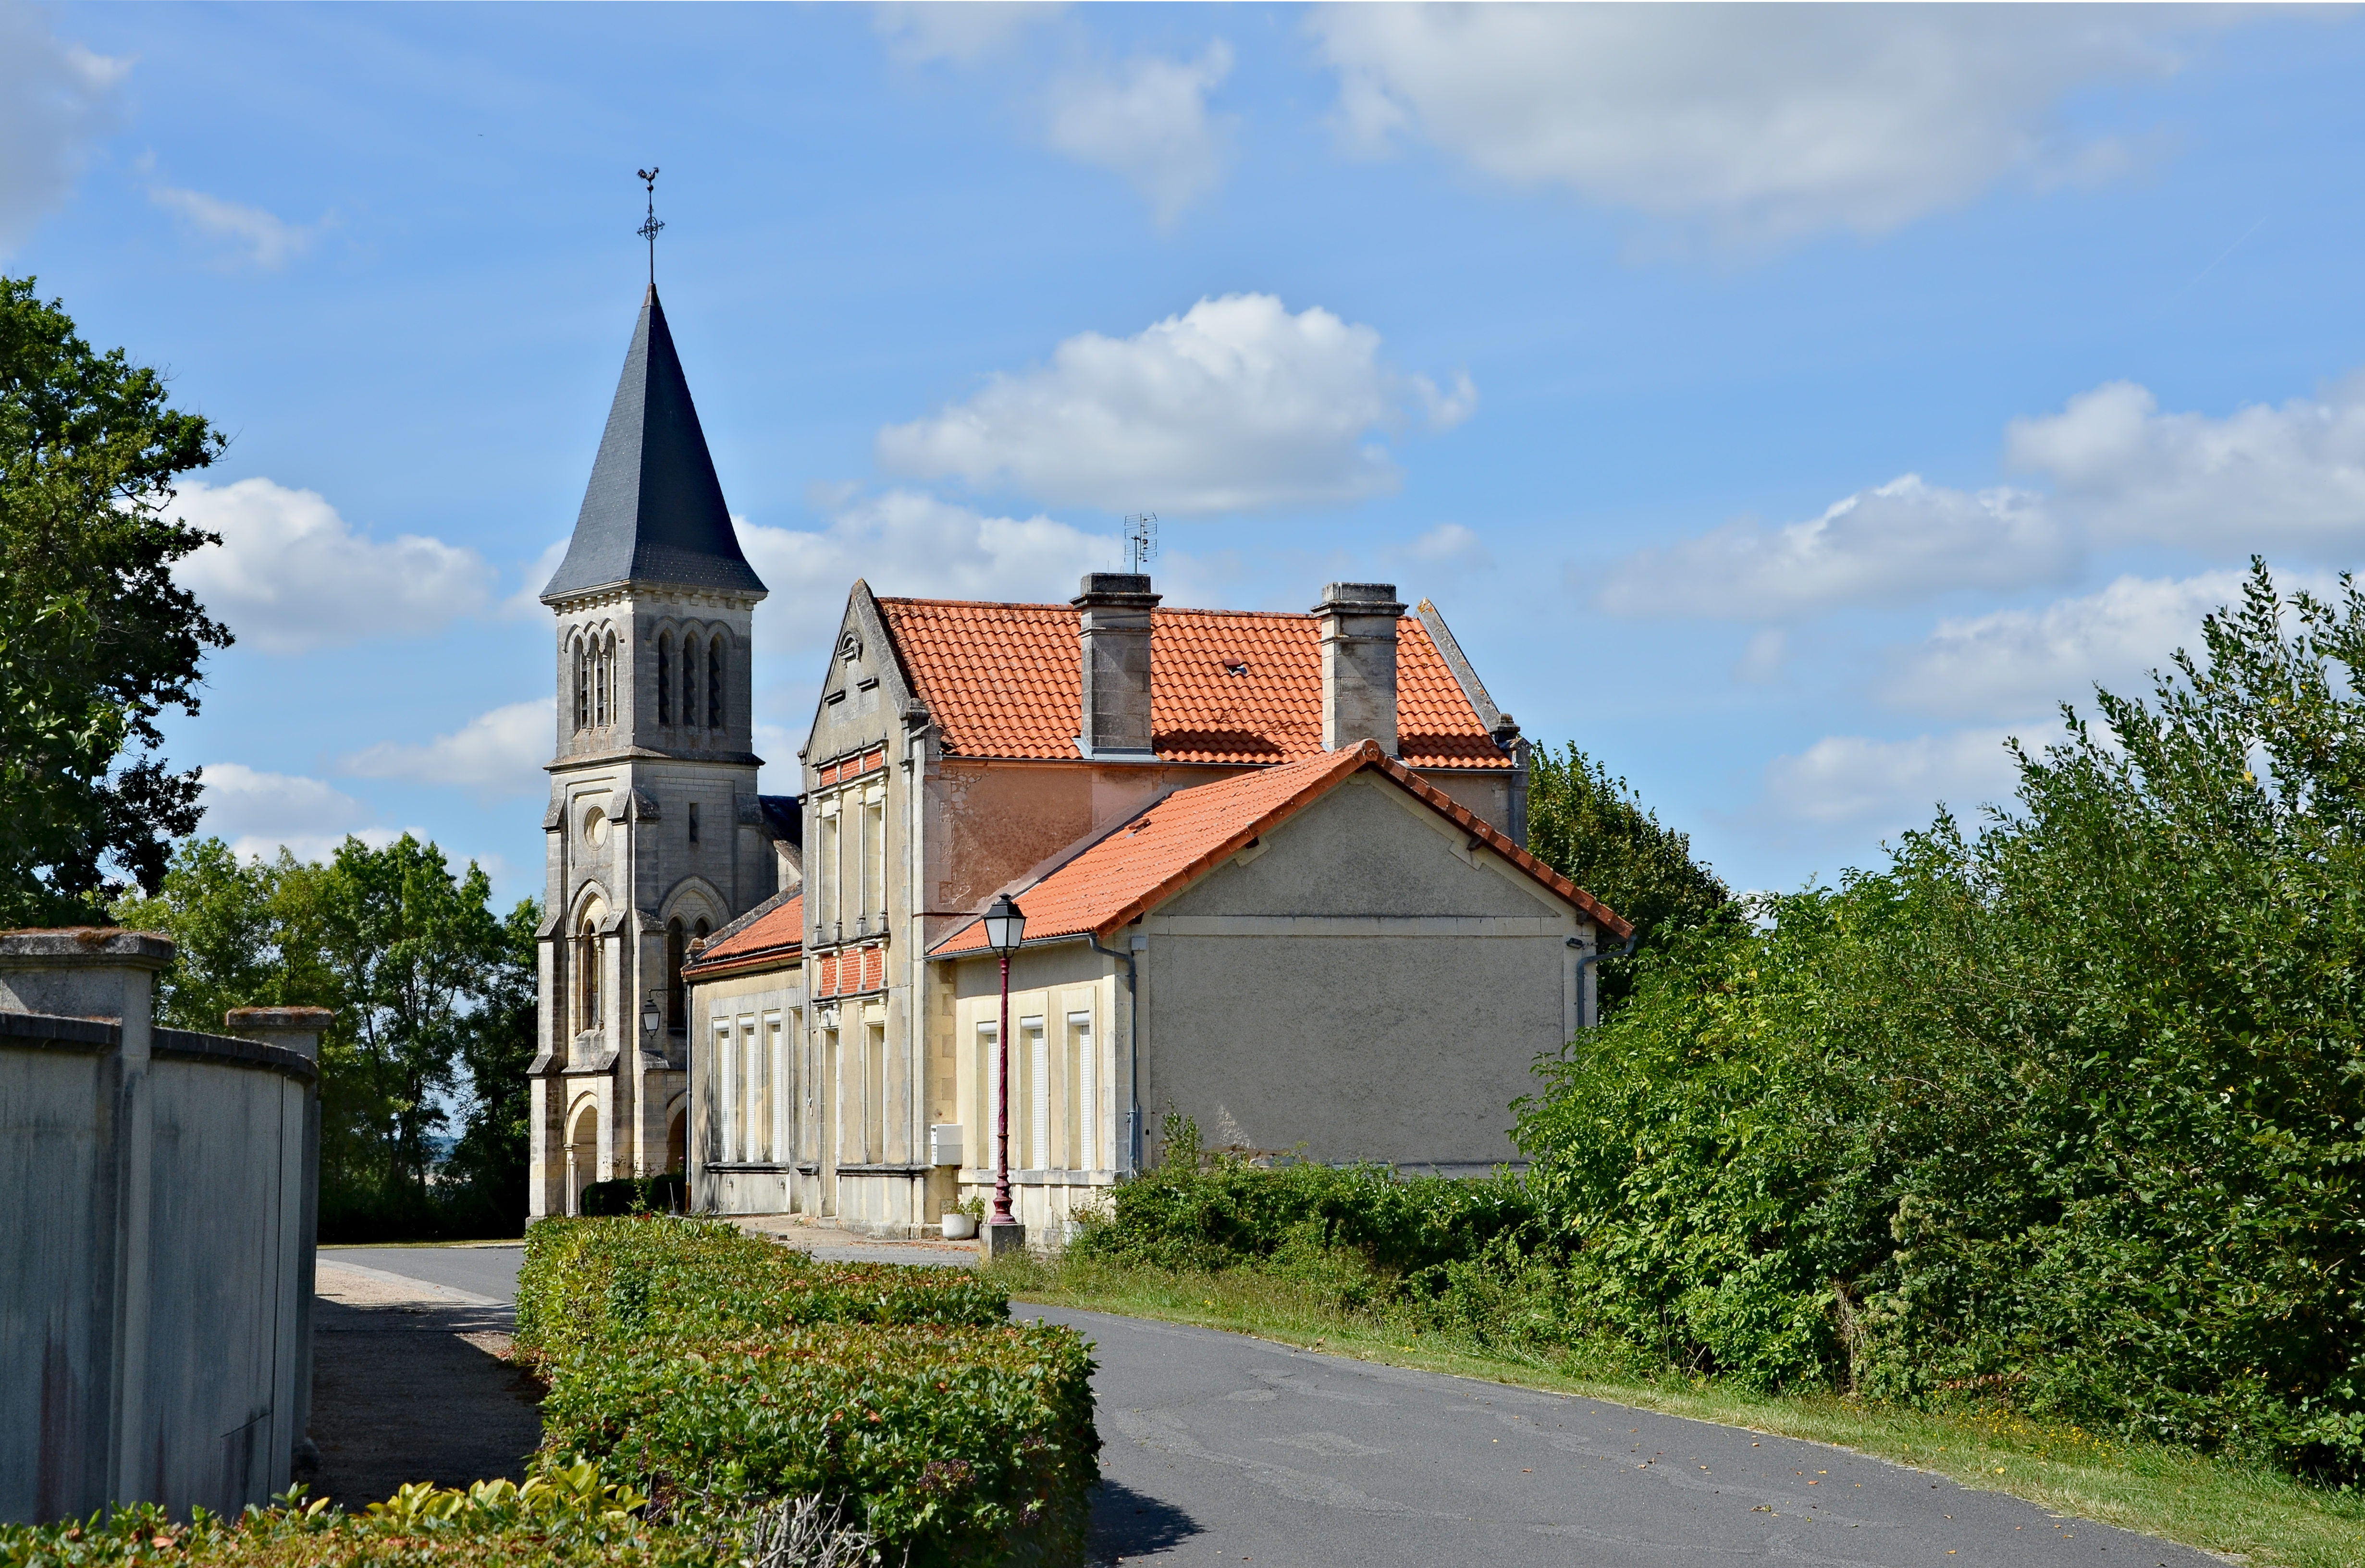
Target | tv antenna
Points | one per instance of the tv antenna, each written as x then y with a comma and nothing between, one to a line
650,225
1140,540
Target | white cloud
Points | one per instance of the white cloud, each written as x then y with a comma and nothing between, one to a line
290,575
56,99
1147,121
2023,661
961,33
1449,545
907,543
493,756
260,812
265,239
1763,121
1876,788
2292,476
526,602
1904,538
1234,406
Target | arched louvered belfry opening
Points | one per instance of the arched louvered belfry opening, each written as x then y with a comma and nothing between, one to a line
579,661
664,678
689,681
714,682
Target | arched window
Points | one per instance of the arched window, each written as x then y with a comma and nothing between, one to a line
587,962
599,686
615,691
582,685
665,681
676,952
714,683
690,681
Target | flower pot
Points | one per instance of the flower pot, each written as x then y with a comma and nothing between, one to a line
960,1226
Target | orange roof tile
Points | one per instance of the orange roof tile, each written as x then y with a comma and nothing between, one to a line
774,933
1136,866
1006,680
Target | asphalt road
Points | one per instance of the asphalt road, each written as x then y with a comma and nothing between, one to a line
1224,1448
487,1269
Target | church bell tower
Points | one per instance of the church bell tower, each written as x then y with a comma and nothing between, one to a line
654,834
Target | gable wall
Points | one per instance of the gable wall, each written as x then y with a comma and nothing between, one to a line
1365,986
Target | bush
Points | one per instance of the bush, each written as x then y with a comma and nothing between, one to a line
667,1194
566,1515
1211,1213
722,1372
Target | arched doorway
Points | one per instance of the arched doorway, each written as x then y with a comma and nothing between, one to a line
582,1155
677,1143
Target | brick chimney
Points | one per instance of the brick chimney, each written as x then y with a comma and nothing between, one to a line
1357,625
1113,618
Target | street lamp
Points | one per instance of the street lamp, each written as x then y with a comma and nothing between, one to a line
651,1021
1006,927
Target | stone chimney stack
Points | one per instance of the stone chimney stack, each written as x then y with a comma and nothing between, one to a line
1113,618
1357,625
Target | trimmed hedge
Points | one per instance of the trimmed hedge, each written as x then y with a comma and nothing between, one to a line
722,1372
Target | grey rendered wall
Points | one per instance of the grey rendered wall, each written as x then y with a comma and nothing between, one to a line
1365,986
155,1241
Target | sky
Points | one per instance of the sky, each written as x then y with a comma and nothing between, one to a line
1785,406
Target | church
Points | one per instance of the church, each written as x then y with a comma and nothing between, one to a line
1273,867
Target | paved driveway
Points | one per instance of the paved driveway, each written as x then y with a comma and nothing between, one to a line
1222,1449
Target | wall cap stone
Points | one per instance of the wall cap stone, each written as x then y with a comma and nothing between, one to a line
84,946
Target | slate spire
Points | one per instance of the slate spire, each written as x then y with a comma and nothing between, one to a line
653,512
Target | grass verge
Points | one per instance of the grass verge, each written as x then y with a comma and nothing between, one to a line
2216,1504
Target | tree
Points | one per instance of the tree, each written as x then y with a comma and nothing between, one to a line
2064,1114
434,1000
95,640
1594,830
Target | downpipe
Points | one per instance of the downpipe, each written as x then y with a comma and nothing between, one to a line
1133,1049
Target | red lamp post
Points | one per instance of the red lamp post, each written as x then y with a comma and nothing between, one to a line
1005,928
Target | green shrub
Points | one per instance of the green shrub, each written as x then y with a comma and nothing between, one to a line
963,1445
568,1516
1194,1213
636,1194
722,1371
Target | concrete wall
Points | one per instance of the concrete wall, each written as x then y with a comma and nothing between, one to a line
156,1253
1363,985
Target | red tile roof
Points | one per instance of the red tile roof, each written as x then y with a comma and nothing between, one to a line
1137,865
1006,680
774,934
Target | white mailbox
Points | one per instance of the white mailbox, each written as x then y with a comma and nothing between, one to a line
944,1144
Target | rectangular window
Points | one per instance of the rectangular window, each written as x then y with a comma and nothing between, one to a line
1083,1096
874,1082
826,913
776,1080
693,822
724,1090
757,1135
1039,1094
988,1154
874,860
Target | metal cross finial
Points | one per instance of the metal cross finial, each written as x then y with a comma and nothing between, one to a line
650,226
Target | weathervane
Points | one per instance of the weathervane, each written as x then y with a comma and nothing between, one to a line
650,226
